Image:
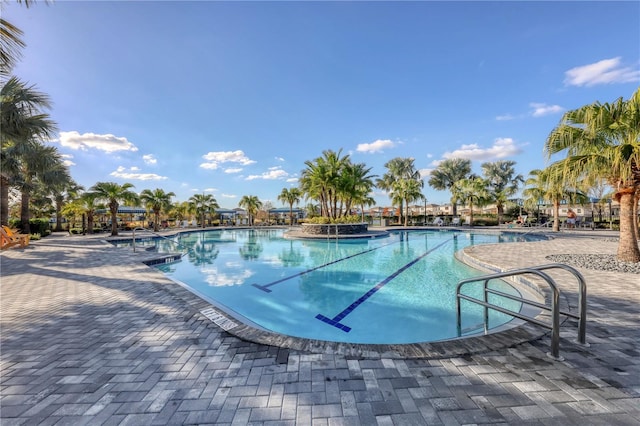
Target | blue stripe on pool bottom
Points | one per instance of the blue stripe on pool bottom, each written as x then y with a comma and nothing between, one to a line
266,289
335,321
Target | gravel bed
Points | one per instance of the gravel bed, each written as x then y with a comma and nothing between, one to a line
599,262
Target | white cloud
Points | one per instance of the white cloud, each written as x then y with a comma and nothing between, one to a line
107,143
214,159
377,146
505,117
292,180
233,170
425,173
149,159
279,158
607,71
209,190
502,148
66,160
543,109
134,169
228,196
209,166
273,174
121,172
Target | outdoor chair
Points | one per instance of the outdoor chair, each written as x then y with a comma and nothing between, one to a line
9,239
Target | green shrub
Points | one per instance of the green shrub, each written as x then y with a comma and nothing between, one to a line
39,226
35,237
319,220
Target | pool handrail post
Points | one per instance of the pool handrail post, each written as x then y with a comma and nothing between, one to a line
582,298
486,308
555,306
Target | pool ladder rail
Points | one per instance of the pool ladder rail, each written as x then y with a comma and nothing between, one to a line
177,243
554,308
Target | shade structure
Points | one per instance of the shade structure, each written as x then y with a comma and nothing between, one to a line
125,210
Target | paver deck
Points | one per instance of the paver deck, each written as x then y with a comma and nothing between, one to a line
90,335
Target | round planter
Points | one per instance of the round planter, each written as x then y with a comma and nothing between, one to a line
332,229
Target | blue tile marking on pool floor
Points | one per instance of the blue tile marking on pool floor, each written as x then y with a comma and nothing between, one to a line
335,321
266,289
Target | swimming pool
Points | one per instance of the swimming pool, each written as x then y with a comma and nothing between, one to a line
398,289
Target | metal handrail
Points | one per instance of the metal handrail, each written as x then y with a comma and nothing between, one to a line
177,243
555,309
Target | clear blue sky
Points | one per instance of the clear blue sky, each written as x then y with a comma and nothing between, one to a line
233,98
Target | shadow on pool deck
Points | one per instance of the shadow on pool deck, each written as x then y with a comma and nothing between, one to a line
92,336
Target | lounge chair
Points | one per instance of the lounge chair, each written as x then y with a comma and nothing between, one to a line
9,239
438,221
455,221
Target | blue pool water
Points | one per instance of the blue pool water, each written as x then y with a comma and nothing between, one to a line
398,289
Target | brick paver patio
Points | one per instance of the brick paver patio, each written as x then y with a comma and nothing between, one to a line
90,335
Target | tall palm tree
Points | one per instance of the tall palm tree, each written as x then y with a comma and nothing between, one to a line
321,181
354,185
251,204
22,123
290,196
11,43
112,194
157,201
502,183
40,165
602,141
203,205
471,191
548,184
445,176
408,190
87,203
399,169
63,192
180,211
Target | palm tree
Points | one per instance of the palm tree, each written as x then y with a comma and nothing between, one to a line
63,192
203,205
11,43
40,165
157,201
87,203
320,181
22,123
445,176
112,194
502,183
601,141
180,210
291,196
354,186
410,191
399,169
251,204
471,191
548,184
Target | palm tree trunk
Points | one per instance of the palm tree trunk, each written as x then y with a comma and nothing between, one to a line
4,200
290,214
556,215
114,219
628,249
471,214
24,213
90,223
59,201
